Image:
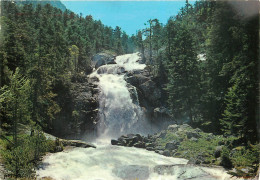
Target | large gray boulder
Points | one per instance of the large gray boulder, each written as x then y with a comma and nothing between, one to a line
101,59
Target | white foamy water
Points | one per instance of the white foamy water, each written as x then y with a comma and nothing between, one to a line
108,162
117,112
120,115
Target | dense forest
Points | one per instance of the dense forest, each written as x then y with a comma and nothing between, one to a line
206,58
209,55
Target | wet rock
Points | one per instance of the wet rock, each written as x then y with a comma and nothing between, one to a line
149,148
159,148
76,143
149,145
114,142
139,145
58,149
101,59
166,153
159,152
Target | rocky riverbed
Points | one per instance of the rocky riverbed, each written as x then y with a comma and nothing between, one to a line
198,147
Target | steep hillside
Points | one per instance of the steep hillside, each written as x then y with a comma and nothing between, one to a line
55,3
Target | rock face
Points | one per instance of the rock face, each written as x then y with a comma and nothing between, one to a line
151,95
102,59
79,105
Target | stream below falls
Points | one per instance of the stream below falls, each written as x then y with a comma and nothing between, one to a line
120,114
108,162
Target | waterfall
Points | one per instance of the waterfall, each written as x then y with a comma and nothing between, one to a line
118,112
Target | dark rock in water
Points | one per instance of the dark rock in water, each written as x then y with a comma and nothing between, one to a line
131,172
159,152
114,142
149,145
166,153
101,59
76,143
172,145
149,148
139,145
58,149
146,140
159,148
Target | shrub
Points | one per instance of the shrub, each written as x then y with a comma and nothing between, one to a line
225,160
20,159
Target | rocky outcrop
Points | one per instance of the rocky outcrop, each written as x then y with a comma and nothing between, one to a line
76,143
101,59
79,105
151,95
150,142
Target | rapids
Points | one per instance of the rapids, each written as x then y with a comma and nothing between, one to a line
118,115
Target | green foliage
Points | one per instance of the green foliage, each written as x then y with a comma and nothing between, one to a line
168,138
20,159
225,158
246,157
217,92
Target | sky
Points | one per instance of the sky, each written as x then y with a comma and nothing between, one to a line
129,15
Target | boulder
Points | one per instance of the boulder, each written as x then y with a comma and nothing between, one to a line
173,128
114,142
172,145
139,145
166,153
149,145
159,152
149,148
101,59
191,134
76,143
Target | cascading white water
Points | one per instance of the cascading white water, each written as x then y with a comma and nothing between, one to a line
118,114
108,162
117,111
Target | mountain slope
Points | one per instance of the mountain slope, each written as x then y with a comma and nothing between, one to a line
55,3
